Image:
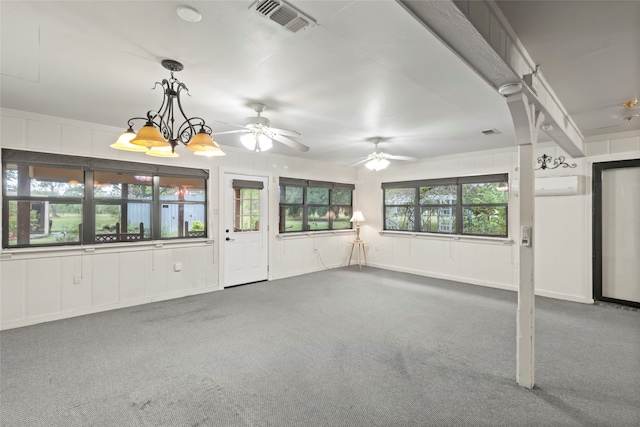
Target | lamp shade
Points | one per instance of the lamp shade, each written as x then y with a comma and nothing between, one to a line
150,136
124,142
357,216
161,152
202,142
207,153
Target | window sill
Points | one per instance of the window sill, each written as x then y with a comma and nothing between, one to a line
303,234
59,251
471,239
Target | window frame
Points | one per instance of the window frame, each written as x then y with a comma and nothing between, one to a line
88,166
305,205
458,207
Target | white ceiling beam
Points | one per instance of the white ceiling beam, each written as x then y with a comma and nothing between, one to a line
481,36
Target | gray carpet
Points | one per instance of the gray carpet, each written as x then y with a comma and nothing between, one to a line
336,348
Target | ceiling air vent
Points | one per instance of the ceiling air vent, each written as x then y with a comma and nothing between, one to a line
283,14
491,132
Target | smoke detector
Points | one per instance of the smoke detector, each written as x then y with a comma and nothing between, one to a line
283,14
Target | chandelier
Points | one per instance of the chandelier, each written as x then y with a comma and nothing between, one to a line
161,134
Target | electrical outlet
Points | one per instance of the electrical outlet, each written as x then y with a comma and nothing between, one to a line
177,266
77,279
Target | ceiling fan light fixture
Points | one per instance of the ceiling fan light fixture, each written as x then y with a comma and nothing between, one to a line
377,164
256,142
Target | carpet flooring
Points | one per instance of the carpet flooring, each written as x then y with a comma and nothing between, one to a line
335,348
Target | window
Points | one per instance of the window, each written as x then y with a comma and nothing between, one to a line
476,205
51,199
314,205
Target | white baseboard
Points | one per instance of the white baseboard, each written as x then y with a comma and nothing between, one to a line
12,324
496,285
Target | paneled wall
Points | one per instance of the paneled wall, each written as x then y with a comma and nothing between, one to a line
43,284
46,284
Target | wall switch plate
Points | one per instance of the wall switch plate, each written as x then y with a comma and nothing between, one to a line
177,266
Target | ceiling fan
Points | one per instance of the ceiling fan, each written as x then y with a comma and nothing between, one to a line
378,160
258,133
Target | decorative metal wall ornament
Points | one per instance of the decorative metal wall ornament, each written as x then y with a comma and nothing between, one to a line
544,161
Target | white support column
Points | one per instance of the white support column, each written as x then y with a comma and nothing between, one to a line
526,124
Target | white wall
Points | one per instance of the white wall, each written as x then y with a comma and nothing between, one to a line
37,284
562,237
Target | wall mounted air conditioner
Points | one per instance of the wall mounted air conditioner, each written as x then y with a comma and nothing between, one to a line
553,186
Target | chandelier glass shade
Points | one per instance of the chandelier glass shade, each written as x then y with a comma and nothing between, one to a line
163,131
124,142
377,163
256,141
166,151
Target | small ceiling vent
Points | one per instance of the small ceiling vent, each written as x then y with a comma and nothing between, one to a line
491,132
283,14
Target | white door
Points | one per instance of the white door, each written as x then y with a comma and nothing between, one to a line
245,234
621,234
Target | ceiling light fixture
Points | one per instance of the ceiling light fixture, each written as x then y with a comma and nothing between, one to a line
160,136
188,14
378,162
256,141
510,88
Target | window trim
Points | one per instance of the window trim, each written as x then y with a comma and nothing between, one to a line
459,206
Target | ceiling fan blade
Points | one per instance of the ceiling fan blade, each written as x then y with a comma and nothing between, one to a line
286,132
407,158
230,124
361,161
291,143
230,131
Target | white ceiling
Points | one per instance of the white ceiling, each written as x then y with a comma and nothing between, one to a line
368,69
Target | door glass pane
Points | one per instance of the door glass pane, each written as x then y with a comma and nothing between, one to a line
246,215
